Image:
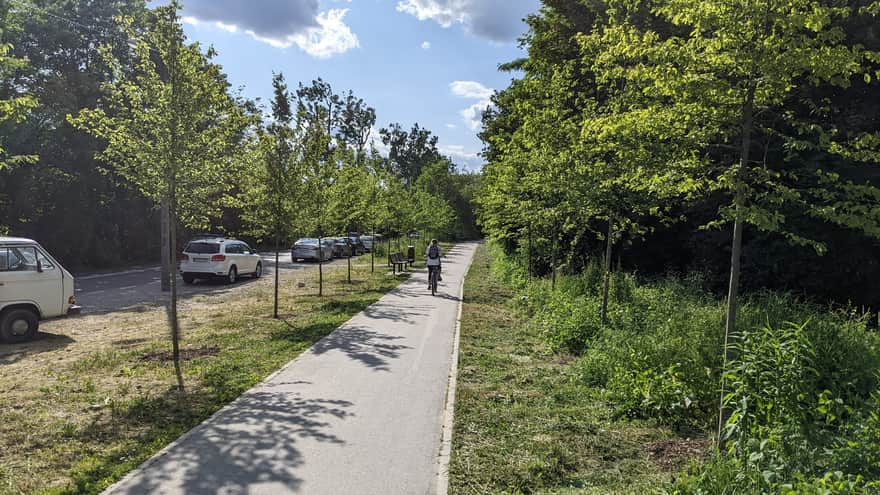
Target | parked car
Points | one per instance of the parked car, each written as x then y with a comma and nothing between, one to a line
342,248
33,287
370,241
219,257
307,249
357,246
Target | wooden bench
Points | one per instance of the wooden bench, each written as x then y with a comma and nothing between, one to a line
395,260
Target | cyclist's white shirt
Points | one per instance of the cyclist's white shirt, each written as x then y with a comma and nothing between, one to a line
435,262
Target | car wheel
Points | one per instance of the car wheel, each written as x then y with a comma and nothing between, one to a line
232,276
188,279
18,325
259,272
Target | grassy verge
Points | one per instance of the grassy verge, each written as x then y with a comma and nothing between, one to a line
555,400
94,397
523,424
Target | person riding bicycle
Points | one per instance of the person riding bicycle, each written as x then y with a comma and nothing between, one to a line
433,253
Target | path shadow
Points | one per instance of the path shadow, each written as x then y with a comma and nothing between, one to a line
396,313
43,342
251,444
371,348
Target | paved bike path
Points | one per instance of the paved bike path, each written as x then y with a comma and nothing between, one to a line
361,412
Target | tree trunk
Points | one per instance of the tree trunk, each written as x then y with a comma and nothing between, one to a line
349,265
606,282
373,253
171,201
165,241
277,254
172,307
736,251
320,267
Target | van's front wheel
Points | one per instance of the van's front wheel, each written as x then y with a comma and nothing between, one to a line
18,325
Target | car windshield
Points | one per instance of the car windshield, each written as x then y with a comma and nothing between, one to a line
306,242
203,248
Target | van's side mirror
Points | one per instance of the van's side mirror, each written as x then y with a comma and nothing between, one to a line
39,266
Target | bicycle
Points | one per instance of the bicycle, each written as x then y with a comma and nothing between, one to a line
433,273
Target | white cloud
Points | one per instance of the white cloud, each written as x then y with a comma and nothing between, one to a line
470,160
472,90
496,20
376,140
279,23
451,126
232,28
331,38
426,45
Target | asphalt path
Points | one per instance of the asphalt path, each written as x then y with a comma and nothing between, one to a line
361,412
108,292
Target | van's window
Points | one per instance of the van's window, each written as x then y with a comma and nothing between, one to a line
45,263
233,249
19,259
202,248
246,249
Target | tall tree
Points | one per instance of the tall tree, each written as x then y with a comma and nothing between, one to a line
14,104
170,127
409,151
728,75
356,120
78,207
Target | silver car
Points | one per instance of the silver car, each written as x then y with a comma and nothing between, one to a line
308,249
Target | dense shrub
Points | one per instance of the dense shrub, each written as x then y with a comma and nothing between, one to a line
803,388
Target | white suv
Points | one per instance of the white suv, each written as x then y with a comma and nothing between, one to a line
219,257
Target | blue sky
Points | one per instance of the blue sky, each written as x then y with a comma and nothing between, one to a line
428,61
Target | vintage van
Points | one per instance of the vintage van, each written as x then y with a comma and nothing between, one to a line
33,287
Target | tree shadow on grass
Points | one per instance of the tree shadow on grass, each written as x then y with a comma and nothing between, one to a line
253,442
43,342
351,307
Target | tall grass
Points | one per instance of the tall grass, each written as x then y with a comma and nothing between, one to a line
803,385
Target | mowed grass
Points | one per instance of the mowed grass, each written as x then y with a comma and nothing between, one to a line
523,424
77,414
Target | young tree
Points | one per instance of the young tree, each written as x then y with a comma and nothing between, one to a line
276,182
170,128
349,199
316,114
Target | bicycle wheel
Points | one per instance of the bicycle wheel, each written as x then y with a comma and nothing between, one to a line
434,282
